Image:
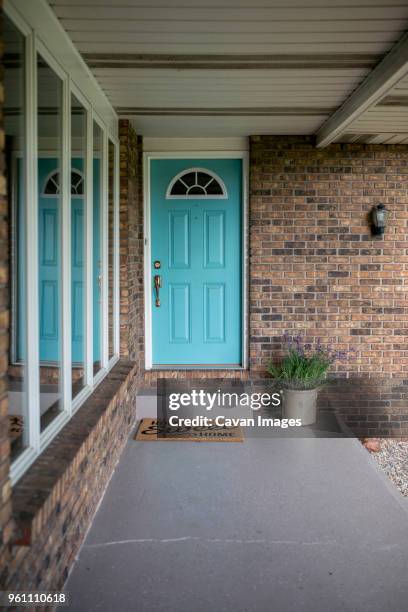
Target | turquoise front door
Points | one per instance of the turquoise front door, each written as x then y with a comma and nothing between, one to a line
196,251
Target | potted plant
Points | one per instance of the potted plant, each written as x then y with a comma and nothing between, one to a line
301,374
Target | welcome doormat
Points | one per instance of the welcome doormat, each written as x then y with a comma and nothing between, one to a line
151,430
16,425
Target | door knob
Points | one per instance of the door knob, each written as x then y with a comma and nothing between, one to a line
157,287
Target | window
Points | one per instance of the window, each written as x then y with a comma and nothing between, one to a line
14,125
97,208
78,245
52,184
111,249
49,138
196,183
62,184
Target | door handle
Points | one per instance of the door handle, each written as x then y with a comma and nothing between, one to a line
100,288
157,287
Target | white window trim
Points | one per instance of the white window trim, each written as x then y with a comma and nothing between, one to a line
18,467
105,255
88,277
34,44
116,255
204,196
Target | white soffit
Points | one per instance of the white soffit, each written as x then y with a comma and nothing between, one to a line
386,122
369,95
190,68
40,18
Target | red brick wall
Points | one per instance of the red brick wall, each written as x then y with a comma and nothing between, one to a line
316,269
131,244
55,500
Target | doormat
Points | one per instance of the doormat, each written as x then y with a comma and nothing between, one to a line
149,428
16,425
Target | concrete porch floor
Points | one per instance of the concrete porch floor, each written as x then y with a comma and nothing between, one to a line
280,524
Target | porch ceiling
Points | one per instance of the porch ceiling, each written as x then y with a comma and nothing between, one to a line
195,68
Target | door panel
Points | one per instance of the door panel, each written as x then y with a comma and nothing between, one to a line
77,280
49,311
179,312
214,239
49,265
198,244
214,312
179,239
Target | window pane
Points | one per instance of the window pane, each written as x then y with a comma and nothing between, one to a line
179,188
14,123
197,190
189,178
97,247
78,320
49,241
111,229
203,179
214,188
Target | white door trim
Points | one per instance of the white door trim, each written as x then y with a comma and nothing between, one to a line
147,158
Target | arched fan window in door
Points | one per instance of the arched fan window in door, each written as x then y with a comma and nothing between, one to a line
196,183
52,183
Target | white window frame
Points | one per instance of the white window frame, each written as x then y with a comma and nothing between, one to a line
103,239
88,237
73,82
116,258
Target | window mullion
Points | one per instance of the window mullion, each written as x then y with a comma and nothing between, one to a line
105,246
116,251
32,293
65,182
89,250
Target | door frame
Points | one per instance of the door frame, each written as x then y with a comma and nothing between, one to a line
147,159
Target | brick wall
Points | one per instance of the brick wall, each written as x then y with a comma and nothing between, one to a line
316,269
55,501
131,244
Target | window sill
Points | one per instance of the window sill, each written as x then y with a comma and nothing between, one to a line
35,493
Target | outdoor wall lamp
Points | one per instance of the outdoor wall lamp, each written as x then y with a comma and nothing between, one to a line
379,214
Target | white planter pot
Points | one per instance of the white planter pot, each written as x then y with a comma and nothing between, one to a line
300,405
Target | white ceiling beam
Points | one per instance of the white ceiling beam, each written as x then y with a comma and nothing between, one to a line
375,86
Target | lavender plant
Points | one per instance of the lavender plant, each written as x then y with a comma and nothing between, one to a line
305,366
